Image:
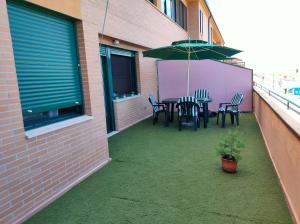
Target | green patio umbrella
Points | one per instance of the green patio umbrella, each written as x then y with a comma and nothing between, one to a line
191,50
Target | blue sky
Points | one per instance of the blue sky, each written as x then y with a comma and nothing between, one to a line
268,31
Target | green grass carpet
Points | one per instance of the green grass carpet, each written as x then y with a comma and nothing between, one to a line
159,175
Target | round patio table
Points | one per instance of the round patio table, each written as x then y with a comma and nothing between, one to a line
170,104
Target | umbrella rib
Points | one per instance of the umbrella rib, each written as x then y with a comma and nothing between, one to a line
218,52
178,49
213,51
186,51
196,51
197,57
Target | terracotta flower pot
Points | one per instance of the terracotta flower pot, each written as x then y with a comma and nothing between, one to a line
229,165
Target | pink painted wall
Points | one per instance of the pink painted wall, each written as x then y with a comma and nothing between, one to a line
220,79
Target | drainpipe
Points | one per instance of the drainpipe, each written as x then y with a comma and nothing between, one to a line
208,25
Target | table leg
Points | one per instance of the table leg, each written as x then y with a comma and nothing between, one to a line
168,115
223,119
205,114
172,112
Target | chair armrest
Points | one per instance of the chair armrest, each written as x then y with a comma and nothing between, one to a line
221,104
228,106
231,105
160,105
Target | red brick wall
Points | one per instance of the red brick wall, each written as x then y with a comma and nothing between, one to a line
193,24
131,110
138,22
33,172
138,25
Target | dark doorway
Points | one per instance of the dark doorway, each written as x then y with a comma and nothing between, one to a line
123,75
119,79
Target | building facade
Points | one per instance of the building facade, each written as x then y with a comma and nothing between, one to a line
71,72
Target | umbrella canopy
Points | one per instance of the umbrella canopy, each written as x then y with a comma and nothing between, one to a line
191,50
198,50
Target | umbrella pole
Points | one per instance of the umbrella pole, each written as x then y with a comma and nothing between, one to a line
188,78
157,80
188,71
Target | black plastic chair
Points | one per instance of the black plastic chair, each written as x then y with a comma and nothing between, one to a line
201,94
188,111
157,108
232,108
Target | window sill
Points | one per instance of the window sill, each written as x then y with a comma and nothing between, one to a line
56,126
127,98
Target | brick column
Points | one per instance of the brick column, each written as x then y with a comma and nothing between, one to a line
91,71
34,172
11,124
193,19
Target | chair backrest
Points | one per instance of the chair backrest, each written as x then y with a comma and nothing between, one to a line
237,100
153,103
188,106
201,94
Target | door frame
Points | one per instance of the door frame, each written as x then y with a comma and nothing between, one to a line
109,89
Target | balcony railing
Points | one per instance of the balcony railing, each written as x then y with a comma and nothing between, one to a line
290,105
241,64
234,62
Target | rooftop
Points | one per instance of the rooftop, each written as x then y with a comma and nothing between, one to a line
161,175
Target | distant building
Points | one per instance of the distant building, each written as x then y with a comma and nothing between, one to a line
294,91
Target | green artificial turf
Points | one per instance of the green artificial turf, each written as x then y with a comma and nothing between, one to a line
159,175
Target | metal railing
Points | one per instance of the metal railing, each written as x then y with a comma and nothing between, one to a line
241,64
234,62
290,105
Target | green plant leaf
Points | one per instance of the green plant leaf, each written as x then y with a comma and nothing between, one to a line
231,144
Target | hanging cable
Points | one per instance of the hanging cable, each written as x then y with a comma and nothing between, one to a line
104,21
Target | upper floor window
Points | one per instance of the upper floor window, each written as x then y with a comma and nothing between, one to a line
181,15
176,10
168,7
201,21
211,35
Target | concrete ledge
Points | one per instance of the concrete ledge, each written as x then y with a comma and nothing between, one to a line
61,192
289,117
56,126
112,134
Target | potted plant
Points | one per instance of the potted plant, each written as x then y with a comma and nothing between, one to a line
230,148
